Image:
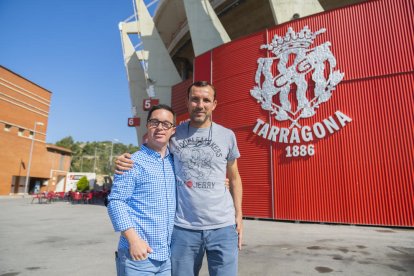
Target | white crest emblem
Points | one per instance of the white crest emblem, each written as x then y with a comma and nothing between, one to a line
296,60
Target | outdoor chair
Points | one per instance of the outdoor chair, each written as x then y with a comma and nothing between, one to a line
76,196
88,197
60,195
50,196
39,197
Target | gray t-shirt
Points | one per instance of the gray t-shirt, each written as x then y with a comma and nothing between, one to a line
200,159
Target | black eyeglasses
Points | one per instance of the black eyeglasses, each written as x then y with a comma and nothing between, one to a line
153,123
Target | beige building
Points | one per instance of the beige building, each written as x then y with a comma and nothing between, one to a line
24,112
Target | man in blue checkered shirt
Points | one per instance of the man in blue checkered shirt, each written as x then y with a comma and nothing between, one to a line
143,200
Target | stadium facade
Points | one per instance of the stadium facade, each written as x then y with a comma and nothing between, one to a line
320,95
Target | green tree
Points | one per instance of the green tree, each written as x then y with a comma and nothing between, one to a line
66,142
70,144
86,155
83,184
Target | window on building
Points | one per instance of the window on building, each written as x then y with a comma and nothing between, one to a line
31,134
21,131
7,127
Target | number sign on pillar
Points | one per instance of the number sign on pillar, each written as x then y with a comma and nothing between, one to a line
148,103
133,122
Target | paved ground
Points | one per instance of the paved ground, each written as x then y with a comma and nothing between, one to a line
65,239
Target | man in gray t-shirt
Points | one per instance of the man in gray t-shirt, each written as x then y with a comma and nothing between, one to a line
200,158
209,216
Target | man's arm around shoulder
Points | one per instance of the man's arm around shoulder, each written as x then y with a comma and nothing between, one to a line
123,163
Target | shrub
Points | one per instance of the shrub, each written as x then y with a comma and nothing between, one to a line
83,184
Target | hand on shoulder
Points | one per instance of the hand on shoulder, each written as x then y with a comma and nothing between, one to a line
123,163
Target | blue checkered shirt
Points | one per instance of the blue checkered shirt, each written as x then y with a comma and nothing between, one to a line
144,198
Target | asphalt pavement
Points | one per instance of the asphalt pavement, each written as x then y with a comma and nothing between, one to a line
65,239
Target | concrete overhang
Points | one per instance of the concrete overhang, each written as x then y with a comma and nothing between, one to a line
171,21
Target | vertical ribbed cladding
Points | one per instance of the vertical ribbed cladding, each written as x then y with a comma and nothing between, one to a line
368,39
254,164
179,95
364,173
254,170
202,67
361,174
238,111
232,62
400,124
310,188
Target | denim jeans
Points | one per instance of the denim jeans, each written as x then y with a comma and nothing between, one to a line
125,266
188,248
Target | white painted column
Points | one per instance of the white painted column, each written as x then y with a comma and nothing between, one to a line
206,30
284,10
161,68
136,75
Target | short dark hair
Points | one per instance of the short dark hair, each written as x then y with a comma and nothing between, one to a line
161,106
201,84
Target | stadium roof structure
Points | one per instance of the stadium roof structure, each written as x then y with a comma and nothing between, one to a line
183,29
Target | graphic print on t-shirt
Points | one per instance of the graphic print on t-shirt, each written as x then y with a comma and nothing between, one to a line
196,156
196,163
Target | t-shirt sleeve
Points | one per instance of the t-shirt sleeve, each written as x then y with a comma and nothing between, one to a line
233,149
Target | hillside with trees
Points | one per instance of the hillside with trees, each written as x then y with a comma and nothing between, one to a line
94,156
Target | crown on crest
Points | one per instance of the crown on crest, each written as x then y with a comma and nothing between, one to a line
292,40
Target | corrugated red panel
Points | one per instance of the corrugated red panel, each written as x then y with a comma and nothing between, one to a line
202,67
179,96
230,67
361,174
254,165
255,174
364,173
368,39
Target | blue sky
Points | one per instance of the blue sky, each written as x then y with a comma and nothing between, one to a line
73,49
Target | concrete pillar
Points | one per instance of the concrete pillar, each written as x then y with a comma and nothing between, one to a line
136,75
286,10
206,30
161,69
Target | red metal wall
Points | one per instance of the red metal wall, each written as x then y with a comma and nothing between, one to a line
202,71
202,67
362,174
178,97
234,67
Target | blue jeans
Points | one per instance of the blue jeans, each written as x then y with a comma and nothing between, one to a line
188,247
125,266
